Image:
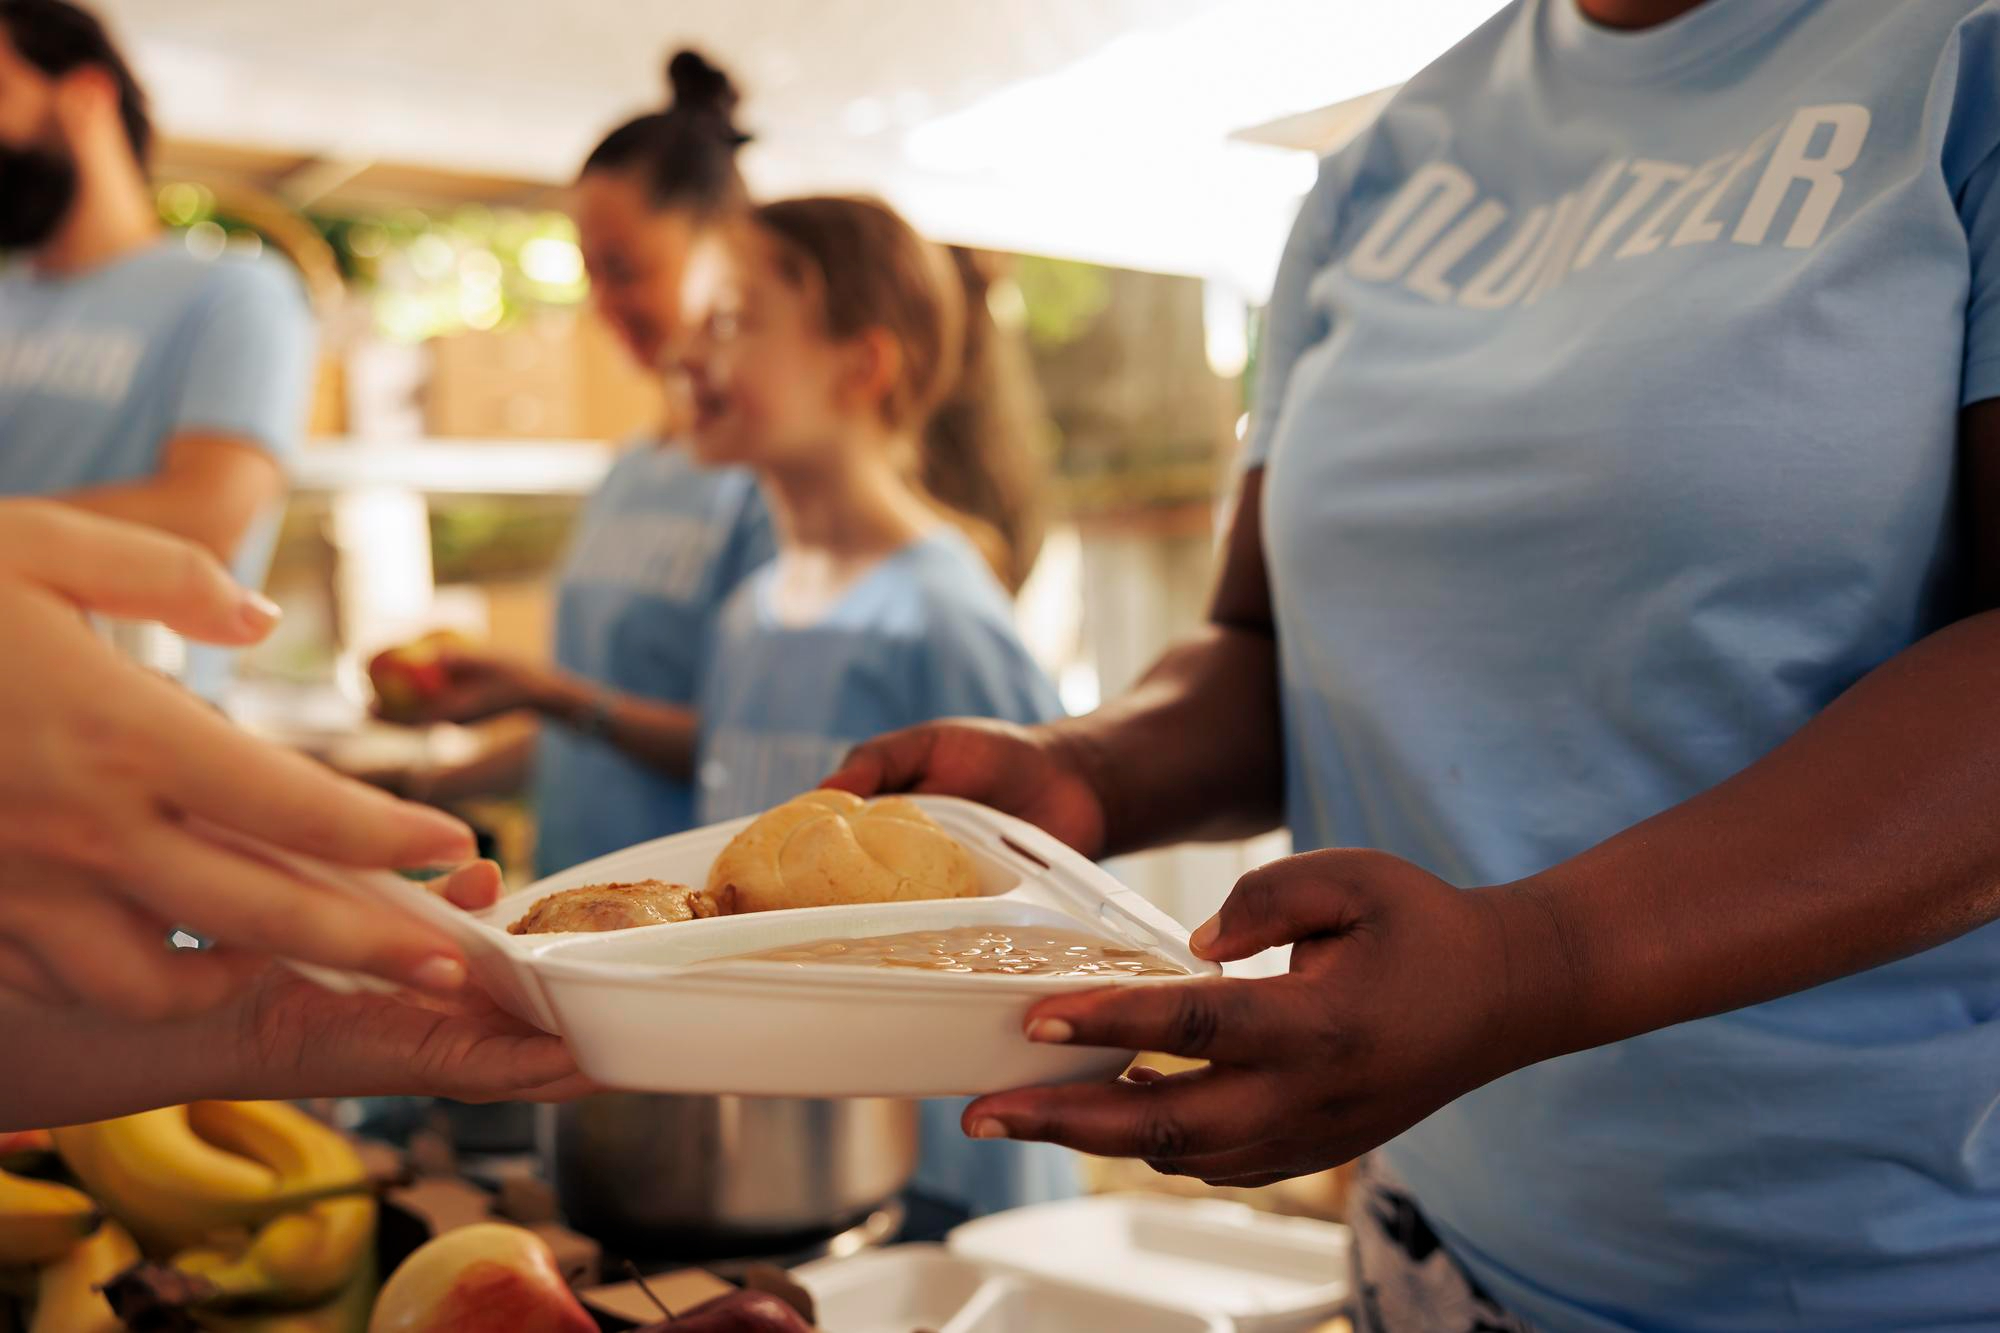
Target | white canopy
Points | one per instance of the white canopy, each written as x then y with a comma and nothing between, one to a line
1094,129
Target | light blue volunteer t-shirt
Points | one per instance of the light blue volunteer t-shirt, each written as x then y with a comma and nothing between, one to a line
926,634
1609,428
98,371
657,551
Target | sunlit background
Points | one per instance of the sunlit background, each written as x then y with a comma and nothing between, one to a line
1169,135
1135,163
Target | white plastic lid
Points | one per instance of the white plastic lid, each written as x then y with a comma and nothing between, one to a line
1258,1270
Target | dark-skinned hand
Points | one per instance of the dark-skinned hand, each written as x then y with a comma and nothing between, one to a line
1034,773
1404,993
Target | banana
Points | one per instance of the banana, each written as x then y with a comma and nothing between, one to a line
303,1154
247,1197
301,1257
347,1312
40,1221
171,1187
67,1299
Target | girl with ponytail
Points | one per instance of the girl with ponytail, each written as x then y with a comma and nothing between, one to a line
829,334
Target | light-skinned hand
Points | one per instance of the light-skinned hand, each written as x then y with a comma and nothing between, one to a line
103,764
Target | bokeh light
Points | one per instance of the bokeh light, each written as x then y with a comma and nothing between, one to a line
552,261
206,240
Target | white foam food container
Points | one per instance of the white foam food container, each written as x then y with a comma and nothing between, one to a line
1136,1262
662,1009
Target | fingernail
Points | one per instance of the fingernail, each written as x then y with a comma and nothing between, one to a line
1206,934
258,612
439,974
1051,1030
988,1129
438,839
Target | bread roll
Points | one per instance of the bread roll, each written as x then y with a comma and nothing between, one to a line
826,848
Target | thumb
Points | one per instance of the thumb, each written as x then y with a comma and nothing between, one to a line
473,886
1297,898
124,570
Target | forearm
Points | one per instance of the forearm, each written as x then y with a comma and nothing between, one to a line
1194,752
73,1065
1867,837
209,489
658,735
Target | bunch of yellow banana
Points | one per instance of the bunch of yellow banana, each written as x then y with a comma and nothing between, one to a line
40,1220
254,1204
297,1258
168,1185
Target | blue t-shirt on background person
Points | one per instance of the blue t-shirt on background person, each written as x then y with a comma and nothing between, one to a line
1609,426
657,551
927,633
101,369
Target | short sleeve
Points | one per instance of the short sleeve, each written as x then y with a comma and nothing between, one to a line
1980,209
249,358
1292,323
1972,166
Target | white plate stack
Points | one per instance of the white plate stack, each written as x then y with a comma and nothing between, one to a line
1134,1263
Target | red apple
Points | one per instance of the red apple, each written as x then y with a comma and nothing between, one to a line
407,675
480,1279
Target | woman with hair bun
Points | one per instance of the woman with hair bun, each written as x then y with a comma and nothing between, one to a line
661,544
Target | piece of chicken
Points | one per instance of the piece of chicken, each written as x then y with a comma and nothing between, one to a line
649,902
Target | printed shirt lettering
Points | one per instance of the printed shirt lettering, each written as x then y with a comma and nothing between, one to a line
1439,221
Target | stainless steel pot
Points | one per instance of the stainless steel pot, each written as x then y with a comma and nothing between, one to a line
687,1175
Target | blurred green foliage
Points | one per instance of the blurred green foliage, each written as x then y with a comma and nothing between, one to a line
485,539
427,274
1062,298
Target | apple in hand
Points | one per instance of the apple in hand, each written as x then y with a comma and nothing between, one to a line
405,676
477,1279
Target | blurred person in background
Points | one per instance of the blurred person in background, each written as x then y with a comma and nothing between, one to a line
658,548
665,540
828,334
104,767
1616,556
136,380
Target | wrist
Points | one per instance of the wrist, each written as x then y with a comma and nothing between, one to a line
1078,747
1544,1003
594,714
561,697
